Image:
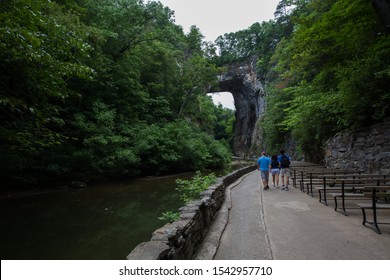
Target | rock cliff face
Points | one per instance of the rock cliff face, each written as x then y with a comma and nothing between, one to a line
249,98
366,149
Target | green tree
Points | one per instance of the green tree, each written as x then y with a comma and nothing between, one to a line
42,47
93,89
331,72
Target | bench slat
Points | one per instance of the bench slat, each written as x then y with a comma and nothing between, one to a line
378,205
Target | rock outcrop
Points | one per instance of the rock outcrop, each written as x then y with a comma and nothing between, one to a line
249,98
366,149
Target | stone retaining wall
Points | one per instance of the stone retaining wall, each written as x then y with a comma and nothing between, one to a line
181,239
366,149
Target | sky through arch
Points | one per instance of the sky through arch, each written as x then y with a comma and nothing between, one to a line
225,98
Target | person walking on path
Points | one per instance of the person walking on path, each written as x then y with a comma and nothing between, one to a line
275,171
264,164
285,172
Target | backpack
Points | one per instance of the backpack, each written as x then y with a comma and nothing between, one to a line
285,162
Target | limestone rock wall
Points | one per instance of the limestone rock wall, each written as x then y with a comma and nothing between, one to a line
249,98
181,239
366,149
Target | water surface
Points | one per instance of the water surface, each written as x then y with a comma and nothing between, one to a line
104,221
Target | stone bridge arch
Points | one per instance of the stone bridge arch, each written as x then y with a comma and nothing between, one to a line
242,81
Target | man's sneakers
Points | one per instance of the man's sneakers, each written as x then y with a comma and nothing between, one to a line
284,188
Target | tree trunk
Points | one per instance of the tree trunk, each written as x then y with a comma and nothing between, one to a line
382,9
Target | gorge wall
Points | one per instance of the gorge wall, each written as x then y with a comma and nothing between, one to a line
366,149
249,97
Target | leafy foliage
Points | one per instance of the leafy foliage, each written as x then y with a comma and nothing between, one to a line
324,67
190,189
329,75
169,216
92,89
41,48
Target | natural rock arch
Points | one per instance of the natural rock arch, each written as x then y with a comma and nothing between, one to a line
242,82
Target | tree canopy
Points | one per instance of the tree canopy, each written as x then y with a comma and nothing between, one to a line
325,67
329,74
102,89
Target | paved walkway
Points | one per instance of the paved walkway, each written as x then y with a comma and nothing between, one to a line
255,224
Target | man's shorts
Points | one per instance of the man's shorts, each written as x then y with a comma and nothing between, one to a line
285,172
264,175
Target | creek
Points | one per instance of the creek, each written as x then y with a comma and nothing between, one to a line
103,221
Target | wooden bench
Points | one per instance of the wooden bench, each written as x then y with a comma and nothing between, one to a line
354,189
310,184
375,193
347,193
317,178
331,181
309,175
299,171
332,190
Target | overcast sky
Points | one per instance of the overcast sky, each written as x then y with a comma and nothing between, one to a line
217,17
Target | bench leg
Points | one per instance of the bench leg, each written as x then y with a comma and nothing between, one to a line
343,203
324,200
374,223
309,189
375,220
364,216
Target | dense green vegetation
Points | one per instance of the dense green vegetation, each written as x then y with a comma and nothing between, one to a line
189,190
103,89
326,67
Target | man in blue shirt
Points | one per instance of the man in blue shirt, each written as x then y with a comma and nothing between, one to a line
285,171
263,164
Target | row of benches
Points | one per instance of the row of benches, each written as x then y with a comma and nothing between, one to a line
366,191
